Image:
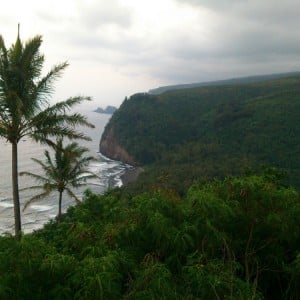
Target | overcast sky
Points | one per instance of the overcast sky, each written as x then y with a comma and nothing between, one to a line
116,48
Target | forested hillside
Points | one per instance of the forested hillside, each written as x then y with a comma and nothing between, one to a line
236,238
232,81
213,131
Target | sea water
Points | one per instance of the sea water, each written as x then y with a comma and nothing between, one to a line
39,212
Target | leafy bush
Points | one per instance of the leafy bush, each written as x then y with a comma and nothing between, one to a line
233,239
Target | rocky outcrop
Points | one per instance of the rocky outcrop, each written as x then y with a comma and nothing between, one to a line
108,110
110,147
131,175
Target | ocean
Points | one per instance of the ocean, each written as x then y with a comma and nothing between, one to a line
38,213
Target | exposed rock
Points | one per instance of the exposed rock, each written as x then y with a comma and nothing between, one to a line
110,147
131,175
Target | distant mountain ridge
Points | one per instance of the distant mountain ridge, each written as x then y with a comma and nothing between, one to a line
230,81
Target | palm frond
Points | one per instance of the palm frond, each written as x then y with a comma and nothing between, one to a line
3,128
2,45
33,187
31,60
44,88
70,133
63,106
3,68
37,177
46,166
78,119
66,169
49,123
36,198
15,51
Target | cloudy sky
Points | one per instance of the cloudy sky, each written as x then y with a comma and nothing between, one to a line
119,47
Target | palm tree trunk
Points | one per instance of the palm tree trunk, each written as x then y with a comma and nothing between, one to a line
15,185
59,205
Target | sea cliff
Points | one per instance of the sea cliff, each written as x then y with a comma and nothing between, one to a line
209,132
111,148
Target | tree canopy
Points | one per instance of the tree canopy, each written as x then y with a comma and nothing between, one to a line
238,238
213,131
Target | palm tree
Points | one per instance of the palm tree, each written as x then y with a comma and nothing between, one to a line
67,170
24,104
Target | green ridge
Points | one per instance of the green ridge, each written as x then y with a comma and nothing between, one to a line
214,131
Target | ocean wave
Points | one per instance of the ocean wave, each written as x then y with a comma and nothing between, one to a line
39,213
6,205
40,207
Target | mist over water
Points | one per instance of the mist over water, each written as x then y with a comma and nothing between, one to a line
41,211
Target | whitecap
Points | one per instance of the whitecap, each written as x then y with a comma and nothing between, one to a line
5,204
41,207
119,182
29,222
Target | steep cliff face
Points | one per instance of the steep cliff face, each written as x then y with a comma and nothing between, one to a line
110,147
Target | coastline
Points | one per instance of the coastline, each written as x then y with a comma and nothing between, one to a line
131,175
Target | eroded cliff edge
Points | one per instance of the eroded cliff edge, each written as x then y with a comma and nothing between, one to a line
111,148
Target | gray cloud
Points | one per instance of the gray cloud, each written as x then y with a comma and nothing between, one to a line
213,4
88,15
97,14
249,37
238,38
210,40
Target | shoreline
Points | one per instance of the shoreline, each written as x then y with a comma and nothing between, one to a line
131,175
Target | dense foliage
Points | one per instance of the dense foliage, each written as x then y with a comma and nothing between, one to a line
175,234
213,131
232,239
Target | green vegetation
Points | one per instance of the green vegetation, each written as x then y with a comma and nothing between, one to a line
233,239
24,105
175,233
232,81
66,170
213,131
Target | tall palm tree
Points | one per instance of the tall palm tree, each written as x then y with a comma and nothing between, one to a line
68,169
24,104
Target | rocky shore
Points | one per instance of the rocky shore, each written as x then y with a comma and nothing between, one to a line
130,175
110,147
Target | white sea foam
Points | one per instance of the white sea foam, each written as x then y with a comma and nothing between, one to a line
29,222
5,204
119,182
41,207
